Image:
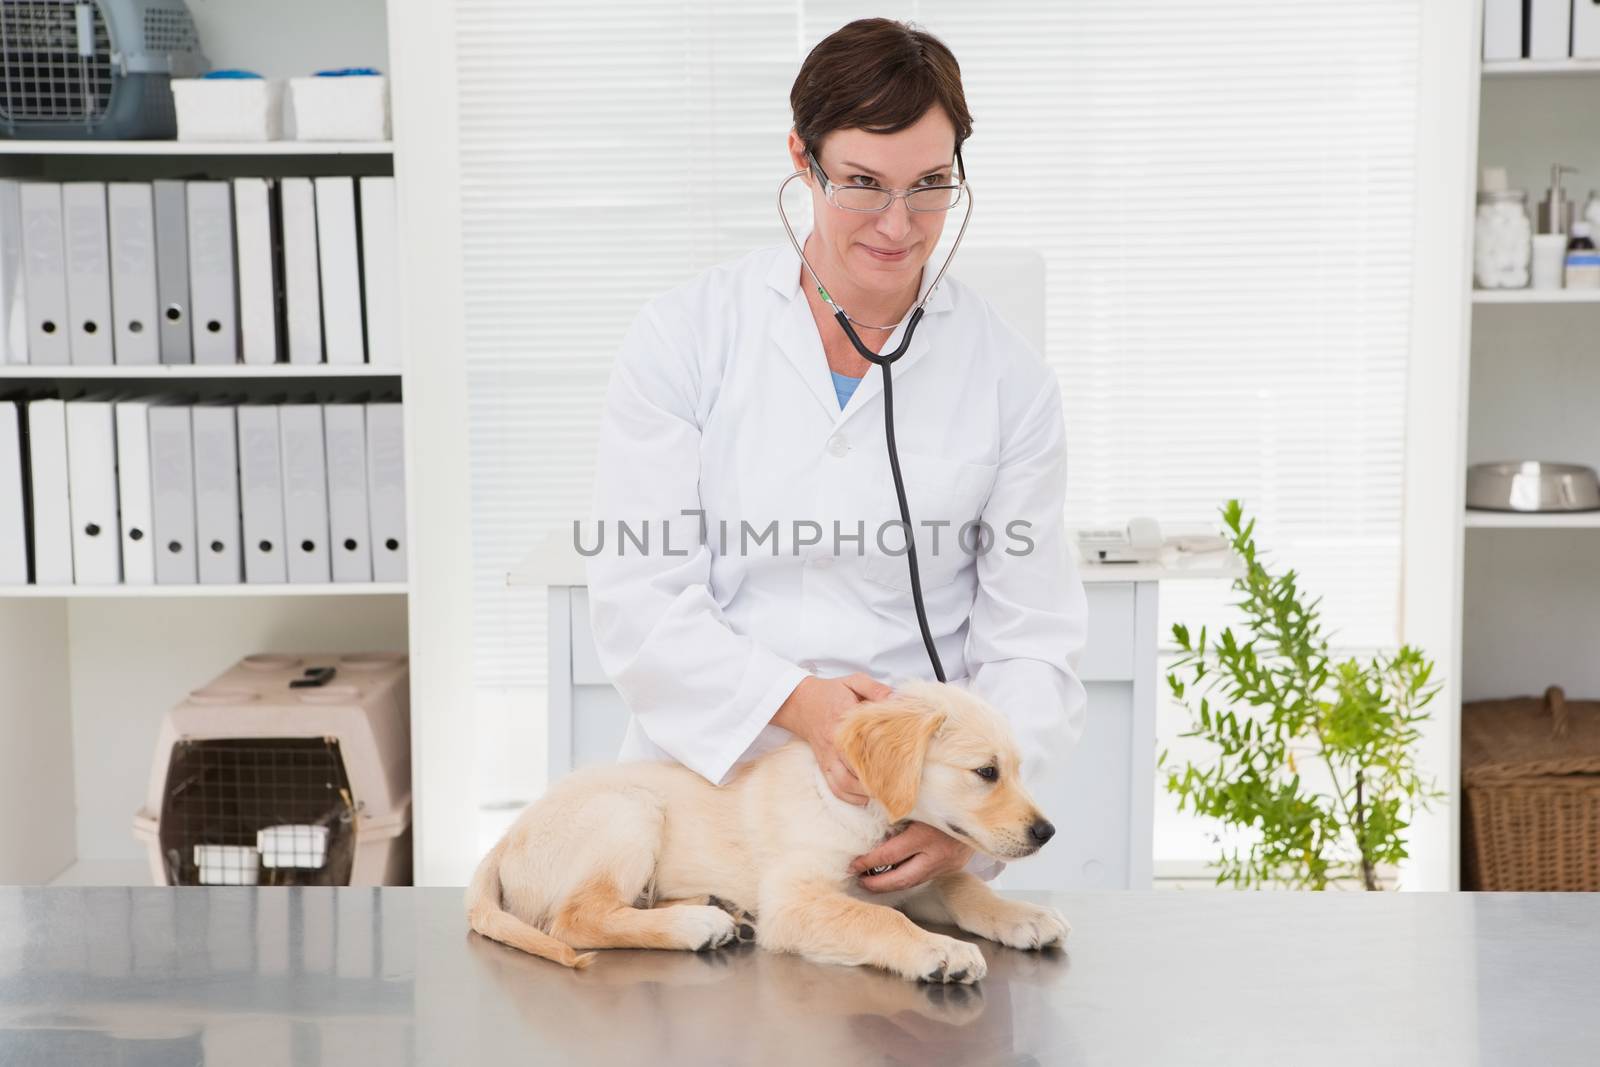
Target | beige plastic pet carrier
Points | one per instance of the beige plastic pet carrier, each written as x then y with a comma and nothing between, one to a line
285,770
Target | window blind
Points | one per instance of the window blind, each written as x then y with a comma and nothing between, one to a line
1222,192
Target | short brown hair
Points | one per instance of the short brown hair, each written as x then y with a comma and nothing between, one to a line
877,75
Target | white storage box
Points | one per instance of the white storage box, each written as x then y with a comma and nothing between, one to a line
228,109
227,865
255,781
352,107
293,846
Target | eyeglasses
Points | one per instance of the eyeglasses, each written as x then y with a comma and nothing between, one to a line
871,198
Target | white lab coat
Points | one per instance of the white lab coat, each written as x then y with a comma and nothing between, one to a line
721,400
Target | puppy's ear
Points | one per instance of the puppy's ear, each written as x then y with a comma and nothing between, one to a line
885,743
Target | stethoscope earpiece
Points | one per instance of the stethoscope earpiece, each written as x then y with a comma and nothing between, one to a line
844,316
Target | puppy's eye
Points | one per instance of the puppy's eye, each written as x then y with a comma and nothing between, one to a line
989,774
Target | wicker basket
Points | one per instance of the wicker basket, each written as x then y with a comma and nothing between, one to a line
1530,776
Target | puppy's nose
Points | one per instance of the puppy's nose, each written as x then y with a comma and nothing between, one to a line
1042,830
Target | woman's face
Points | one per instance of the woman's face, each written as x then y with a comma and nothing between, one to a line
851,241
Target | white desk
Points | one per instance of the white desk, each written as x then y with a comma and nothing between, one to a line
1101,803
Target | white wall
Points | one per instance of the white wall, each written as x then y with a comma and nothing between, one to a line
289,38
36,771
1529,123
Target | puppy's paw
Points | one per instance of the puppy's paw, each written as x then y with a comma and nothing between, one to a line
744,921
1027,926
704,927
942,959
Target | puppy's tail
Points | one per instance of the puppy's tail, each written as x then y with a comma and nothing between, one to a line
486,915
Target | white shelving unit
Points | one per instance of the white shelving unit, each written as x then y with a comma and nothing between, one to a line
196,148
1536,296
1513,68
280,371
86,672
1504,603
1496,520
1533,379
190,592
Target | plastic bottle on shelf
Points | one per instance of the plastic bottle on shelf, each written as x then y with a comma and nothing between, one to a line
1549,260
1554,226
1591,211
1555,210
1503,235
1583,259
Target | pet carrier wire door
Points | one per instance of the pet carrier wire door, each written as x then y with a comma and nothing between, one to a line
285,770
94,68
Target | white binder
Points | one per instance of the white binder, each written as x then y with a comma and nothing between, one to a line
216,494
13,503
13,290
380,270
132,212
172,270
305,492
345,437
92,492
1502,29
258,282
211,287
47,480
302,285
45,272
261,494
386,490
341,274
83,214
1550,28
1585,29
133,491
172,493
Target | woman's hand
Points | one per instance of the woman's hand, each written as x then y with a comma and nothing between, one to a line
920,851
813,713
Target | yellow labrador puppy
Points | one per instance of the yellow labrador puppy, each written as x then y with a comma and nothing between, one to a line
651,855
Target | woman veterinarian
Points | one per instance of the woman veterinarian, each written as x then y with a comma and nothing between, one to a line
744,433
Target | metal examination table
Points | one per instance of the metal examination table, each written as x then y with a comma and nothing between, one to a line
391,977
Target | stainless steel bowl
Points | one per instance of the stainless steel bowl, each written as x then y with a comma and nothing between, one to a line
1532,485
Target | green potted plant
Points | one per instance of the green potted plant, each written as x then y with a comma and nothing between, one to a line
1275,704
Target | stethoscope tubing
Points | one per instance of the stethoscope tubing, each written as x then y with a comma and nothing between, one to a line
839,312
905,511
884,361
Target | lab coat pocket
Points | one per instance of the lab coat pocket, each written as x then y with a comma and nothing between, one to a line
939,490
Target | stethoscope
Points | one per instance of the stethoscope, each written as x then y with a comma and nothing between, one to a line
883,361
